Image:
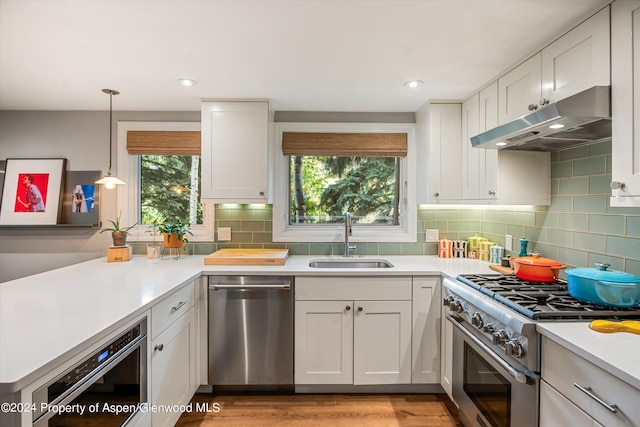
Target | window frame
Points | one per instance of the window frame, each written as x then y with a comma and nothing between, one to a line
285,232
128,195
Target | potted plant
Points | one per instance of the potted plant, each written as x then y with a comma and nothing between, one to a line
118,233
175,233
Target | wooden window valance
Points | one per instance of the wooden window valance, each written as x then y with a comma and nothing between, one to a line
167,143
344,144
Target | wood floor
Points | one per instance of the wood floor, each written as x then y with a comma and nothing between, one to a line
306,410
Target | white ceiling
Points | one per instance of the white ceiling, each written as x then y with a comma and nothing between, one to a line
304,55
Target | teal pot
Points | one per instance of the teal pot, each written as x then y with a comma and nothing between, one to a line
604,287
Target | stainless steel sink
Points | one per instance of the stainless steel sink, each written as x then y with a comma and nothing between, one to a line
350,263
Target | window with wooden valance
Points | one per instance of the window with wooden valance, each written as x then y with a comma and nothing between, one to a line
344,144
168,143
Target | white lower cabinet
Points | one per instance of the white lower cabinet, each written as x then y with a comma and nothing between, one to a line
446,355
426,330
557,411
353,330
594,395
324,342
173,355
382,342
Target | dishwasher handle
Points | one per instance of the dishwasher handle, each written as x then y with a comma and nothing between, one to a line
234,286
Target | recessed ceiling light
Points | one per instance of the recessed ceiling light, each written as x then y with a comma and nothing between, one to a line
501,144
187,82
556,126
413,83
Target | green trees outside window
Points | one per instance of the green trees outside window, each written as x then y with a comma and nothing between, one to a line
170,189
323,188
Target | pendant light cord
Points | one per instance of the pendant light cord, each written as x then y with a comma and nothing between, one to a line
111,92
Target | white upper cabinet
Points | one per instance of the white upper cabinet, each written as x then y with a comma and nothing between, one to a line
488,112
625,95
235,137
578,60
575,62
445,153
519,91
470,165
461,174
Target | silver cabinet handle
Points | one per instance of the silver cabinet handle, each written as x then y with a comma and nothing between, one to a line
233,286
262,193
359,308
179,306
544,101
532,107
492,193
348,308
158,347
587,390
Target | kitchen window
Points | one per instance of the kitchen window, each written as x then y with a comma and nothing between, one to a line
324,170
161,165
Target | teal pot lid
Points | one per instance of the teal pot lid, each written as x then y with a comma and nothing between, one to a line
601,273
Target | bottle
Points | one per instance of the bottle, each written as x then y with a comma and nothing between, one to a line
523,246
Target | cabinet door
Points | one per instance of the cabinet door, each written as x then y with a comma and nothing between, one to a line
578,60
470,163
173,368
324,342
444,152
488,113
382,342
519,89
446,354
557,411
425,353
625,96
235,151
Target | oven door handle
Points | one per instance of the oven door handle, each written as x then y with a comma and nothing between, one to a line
519,376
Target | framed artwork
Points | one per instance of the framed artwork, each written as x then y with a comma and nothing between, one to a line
81,198
31,191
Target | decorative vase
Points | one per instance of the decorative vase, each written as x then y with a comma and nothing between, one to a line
119,238
172,241
153,251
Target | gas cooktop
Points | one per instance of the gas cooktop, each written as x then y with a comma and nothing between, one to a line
541,301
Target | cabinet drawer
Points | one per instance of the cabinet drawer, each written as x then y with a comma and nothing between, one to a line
557,411
171,308
353,288
562,369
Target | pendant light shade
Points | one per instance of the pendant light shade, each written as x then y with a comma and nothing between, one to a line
109,181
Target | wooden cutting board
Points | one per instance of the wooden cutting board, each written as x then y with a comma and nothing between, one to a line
247,257
501,269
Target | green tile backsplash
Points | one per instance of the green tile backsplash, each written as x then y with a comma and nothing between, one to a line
579,228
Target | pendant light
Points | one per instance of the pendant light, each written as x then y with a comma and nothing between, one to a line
109,181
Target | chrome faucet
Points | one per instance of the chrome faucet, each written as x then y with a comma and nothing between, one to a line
347,233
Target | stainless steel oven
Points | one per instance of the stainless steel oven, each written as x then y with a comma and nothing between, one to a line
489,391
496,348
107,388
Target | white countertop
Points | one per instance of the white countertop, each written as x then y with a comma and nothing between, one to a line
617,353
47,318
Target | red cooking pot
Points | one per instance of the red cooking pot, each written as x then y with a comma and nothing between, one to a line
536,268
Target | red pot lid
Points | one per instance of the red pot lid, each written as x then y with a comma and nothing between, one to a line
537,260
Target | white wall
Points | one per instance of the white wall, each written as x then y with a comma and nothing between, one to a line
82,137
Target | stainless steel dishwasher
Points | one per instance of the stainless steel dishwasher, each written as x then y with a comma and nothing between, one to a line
251,332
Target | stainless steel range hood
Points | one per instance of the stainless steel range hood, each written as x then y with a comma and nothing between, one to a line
579,119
